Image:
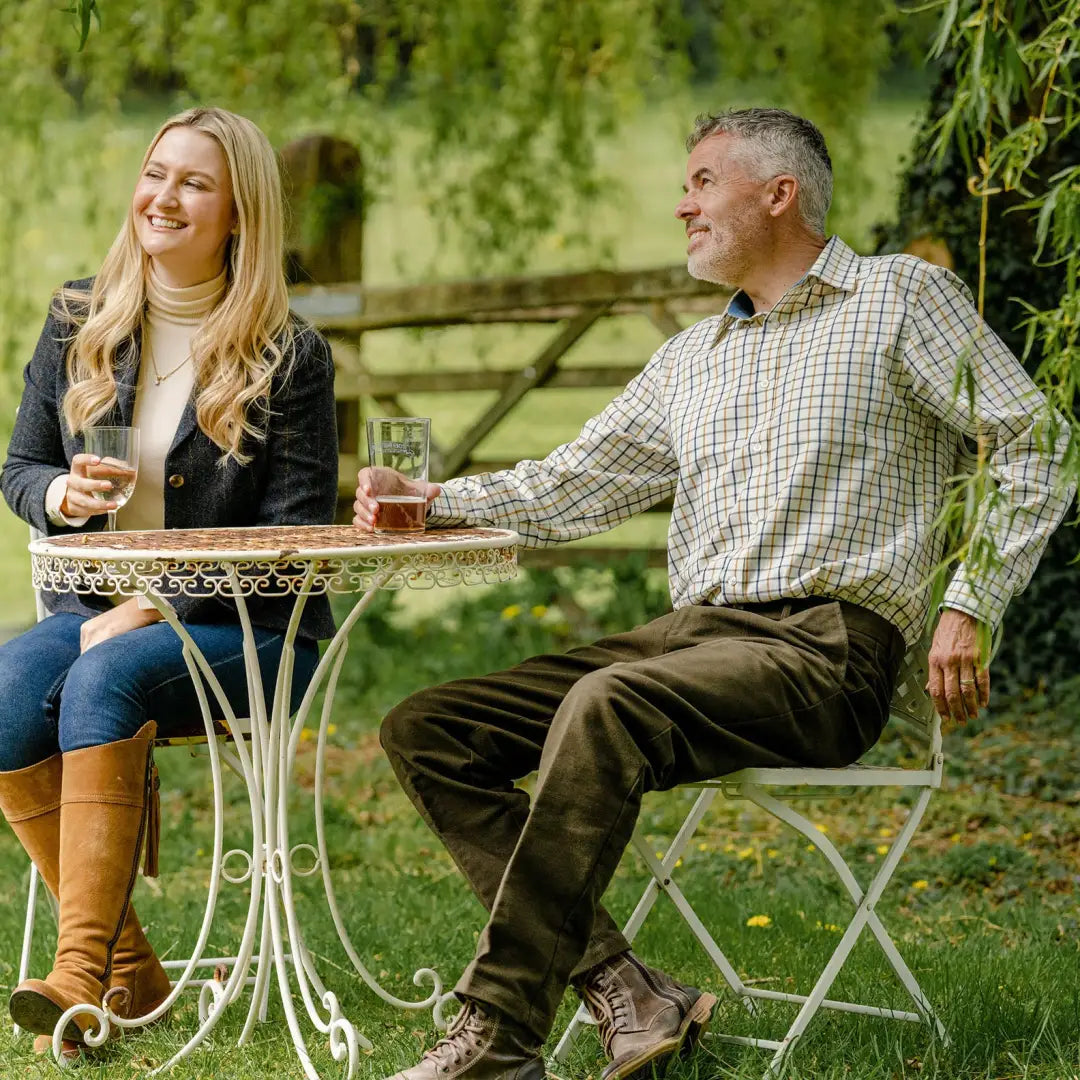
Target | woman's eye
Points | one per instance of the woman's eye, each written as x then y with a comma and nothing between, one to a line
194,184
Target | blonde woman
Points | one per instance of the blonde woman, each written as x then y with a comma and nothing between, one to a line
185,332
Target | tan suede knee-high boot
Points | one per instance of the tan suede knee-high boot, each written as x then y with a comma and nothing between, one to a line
100,825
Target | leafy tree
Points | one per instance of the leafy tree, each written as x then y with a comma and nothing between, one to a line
994,178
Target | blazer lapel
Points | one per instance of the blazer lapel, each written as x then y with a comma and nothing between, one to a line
187,423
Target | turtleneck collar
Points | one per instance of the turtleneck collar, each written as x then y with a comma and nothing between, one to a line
188,305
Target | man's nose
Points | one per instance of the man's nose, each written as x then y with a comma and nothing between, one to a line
687,207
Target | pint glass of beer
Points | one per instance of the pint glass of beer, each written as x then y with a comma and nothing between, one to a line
398,455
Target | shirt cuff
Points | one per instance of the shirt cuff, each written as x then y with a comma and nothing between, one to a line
54,498
986,603
448,509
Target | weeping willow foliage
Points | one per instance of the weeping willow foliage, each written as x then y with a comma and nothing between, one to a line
1014,69
506,101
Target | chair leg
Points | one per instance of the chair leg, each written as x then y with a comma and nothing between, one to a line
28,931
865,916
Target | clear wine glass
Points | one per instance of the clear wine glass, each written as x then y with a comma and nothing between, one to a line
118,449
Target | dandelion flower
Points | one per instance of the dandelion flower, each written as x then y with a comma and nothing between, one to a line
538,611
885,832
921,884
883,849
745,853
759,920
512,611
821,828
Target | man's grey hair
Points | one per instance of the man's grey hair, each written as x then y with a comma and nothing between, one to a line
774,141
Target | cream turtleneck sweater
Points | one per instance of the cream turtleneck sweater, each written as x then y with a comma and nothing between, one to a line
166,379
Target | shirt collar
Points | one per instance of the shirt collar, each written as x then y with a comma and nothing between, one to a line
837,265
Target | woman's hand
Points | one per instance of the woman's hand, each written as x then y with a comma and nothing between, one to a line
79,499
366,507
122,618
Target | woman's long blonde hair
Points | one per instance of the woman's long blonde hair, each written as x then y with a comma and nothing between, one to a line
245,340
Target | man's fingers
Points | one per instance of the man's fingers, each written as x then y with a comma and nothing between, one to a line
969,690
935,687
954,694
983,679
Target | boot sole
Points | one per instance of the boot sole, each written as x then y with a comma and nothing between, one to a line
39,1014
660,1054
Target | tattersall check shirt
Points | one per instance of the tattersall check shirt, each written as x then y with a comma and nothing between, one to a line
808,449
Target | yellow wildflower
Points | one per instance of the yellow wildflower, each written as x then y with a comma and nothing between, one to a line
955,838
538,611
331,729
512,611
810,847
1025,837
885,832
703,847
729,848
883,849
921,884
759,920
305,734
772,853
745,853
821,828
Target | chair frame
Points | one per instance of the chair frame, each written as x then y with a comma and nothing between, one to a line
769,789
220,965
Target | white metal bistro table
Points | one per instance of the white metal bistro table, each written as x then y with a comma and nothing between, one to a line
239,564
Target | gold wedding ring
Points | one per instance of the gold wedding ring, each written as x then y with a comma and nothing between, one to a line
967,682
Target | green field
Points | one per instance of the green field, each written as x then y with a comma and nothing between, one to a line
634,226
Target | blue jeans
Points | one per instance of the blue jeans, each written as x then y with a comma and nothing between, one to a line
54,698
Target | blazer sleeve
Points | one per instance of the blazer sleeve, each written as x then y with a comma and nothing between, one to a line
301,442
36,454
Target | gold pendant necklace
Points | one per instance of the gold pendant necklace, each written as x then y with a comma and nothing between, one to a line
158,377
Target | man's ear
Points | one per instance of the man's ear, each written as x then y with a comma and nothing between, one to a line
783,190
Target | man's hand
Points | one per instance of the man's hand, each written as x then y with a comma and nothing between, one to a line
122,618
386,482
958,683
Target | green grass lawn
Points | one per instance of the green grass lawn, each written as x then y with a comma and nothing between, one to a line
983,907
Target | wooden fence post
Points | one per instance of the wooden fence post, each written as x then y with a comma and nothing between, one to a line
323,181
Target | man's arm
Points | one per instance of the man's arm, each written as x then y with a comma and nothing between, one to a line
995,400
620,464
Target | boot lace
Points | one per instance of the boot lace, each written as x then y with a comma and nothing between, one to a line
462,1039
608,1000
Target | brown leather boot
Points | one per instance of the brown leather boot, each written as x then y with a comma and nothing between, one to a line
643,1015
30,801
101,823
481,1044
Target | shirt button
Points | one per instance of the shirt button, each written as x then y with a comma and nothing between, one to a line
756,447
766,383
176,480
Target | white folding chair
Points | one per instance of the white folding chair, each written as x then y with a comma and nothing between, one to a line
913,709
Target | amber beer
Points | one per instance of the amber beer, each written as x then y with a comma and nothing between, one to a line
401,513
398,456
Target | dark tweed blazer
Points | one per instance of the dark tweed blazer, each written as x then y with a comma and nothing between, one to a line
291,479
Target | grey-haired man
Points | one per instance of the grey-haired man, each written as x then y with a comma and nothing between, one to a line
807,435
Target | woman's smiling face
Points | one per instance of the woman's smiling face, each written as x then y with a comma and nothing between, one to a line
183,207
